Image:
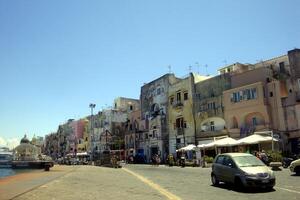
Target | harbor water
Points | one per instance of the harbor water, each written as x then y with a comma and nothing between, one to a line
4,172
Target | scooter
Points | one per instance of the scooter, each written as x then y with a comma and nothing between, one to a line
286,161
182,161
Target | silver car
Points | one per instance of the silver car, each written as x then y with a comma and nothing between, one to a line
295,166
241,169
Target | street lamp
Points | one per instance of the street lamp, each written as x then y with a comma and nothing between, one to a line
92,106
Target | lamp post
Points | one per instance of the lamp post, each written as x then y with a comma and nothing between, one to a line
92,106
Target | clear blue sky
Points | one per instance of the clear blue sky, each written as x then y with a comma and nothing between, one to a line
56,57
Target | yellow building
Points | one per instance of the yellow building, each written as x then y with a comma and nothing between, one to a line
181,122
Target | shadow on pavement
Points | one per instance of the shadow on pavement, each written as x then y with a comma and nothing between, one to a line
243,190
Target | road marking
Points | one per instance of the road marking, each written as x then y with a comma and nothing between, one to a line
155,186
293,191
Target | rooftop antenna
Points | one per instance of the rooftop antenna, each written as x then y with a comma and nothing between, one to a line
206,70
169,67
190,69
261,61
197,64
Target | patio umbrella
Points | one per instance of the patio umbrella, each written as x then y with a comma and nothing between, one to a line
188,147
256,139
225,142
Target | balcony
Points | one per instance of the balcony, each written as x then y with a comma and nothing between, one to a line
180,131
177,104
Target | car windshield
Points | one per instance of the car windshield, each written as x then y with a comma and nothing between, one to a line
248,161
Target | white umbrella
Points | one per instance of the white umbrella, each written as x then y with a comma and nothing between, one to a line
255,139
201,145
225,142
188,147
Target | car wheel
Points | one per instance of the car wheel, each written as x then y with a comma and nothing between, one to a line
297,170
269,188
238,184
214,180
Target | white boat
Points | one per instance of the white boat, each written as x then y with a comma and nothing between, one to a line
6,157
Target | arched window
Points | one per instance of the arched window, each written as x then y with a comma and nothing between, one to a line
154,110
234,122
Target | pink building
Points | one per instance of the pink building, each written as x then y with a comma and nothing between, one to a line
77,134
78,128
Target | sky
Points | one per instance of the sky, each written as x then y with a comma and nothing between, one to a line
58,56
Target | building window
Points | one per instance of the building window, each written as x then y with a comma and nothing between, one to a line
271,94
131,107
234,123
154,133
184,124
179,122
246,94
158,91
178,97
281,67
171,100
115,105
211,105
185,96
212,126
253,93
254,121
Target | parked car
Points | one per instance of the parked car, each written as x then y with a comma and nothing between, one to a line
295,166
242,170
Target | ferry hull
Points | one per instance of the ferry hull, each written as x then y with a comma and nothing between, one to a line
31,164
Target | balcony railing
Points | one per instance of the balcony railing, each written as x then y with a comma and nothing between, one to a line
180,131
177,104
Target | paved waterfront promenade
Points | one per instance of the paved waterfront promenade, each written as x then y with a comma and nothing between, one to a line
76,182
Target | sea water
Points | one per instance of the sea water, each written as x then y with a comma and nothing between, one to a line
4,172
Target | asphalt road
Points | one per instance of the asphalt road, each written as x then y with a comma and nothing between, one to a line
194,183
143,182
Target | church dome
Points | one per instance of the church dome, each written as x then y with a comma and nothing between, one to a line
26,151
24,140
